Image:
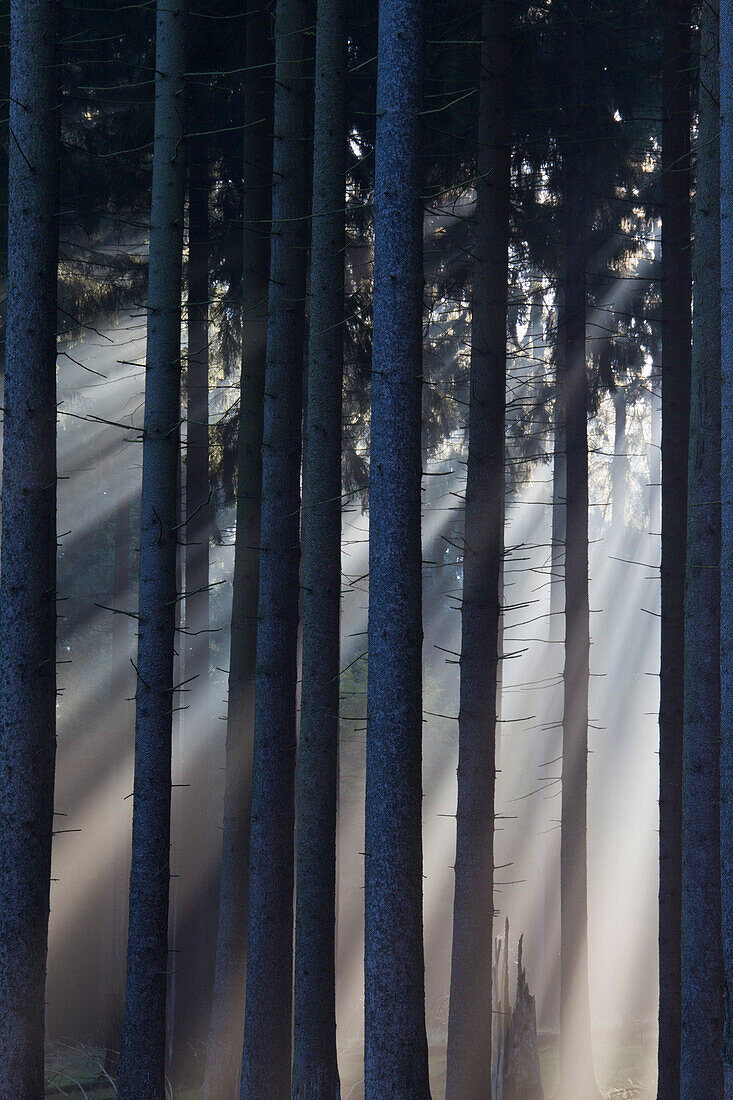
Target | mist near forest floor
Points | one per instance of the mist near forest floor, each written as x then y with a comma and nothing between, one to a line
621,1071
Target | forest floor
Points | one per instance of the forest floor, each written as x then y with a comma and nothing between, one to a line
623,1072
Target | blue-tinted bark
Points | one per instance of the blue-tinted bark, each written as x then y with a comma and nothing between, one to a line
224,1049
469,1025
315,1068
396,1063
701,1071
676,277
192,811
726,547
28,588
268,1014
142,1061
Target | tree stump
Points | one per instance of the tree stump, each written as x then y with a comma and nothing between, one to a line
522,1078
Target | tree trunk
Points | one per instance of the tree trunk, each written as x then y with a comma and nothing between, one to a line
577,1078
396,1056
224,1050
28,588
142,1062
522,1075
559,488
702,977
268,1015
726,549
676,279
192,815
469,1025
315,1068
619,464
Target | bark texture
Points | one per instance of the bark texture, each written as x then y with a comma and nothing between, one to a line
577,1078
224,1050
726,548
396,1057
676,277
142,1061
28,588
268,1015
702,977
315,1067
522,1074
192,811
469,1024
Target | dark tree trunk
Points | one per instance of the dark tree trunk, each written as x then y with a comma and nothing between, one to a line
268,1015
726,549
701,1071
396,1056
522,1075
28,589
676,278
315,1067
577,1079
142,1062
469,1025
192,816
224,1051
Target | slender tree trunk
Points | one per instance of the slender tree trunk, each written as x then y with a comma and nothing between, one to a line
28,588
701,1072
192,810
196,643
619,465
121,688
142,1062
224,1052
559,492
469,1025
676,277
577,1078
726,549
268,1015
655,461
178,677
315,1067
396,1056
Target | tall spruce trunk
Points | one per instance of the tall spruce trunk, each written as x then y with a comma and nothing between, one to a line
268,1014
396,1055
192,812
701,1071
577,1078
469,1023
619,464
224,1049
28,585
676,282
142,1062
315,1067
726,548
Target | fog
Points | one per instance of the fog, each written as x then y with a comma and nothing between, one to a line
100,412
